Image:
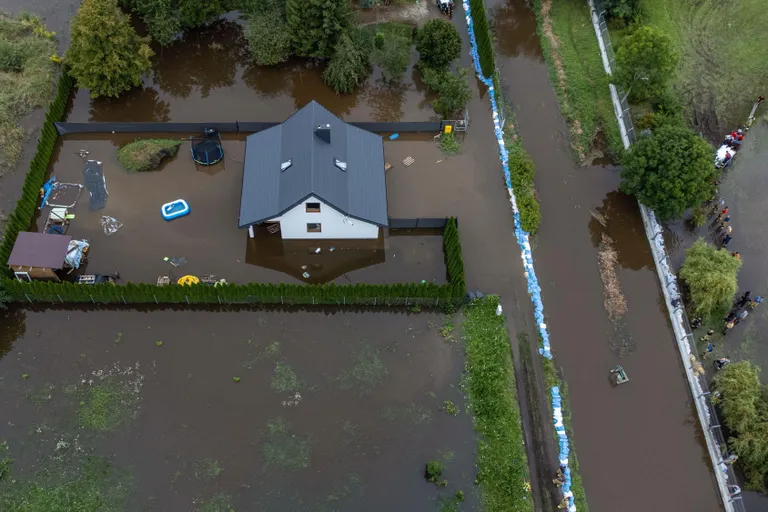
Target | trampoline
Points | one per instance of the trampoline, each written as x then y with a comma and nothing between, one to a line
207,150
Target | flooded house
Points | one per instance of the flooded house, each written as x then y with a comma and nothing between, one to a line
314,177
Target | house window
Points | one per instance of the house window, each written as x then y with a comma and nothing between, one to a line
314,227
285,165
313,207
339,164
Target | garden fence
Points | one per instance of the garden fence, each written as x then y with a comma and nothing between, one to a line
716,443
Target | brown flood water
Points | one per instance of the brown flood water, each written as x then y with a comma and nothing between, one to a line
346,422
646,428
208,76
209,236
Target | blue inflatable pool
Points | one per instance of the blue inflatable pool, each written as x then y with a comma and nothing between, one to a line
174,209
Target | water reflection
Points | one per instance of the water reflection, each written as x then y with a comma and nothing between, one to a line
13,325
515,29
619,218
140,104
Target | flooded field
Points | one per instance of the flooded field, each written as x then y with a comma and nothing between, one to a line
650,420
209,237
248,410
208,77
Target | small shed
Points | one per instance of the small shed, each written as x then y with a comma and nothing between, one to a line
38,255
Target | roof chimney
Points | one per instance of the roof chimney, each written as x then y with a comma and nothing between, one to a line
323,131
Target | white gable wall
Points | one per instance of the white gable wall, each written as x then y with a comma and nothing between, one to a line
293,224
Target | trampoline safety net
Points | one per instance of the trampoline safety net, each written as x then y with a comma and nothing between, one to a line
207,150
96,184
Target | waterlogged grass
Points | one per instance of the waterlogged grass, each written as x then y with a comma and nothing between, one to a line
285,449
26,80
577,486
349,487
207,470
501,457
146,154
220,502
413,414
367,372
110,398
66,481
284,379
571,51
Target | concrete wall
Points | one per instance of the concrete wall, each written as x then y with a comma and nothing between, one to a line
293,224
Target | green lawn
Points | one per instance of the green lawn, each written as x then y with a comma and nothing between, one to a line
582,87
723,65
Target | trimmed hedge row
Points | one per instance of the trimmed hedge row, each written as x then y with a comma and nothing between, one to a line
482,37
22,215
260,293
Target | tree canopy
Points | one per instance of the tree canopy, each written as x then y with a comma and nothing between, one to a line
268,38
106,55
710,275
438,43
166,18
669,171
744,404
316,26
645,61
347,68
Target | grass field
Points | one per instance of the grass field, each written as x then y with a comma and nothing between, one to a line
26,80
723,65
577,72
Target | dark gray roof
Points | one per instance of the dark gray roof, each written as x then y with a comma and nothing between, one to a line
359,192
39,250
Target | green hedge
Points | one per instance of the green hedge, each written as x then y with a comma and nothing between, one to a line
22,215
482,37
260,293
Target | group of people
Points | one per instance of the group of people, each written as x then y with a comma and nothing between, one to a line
723,228
559,480
733,141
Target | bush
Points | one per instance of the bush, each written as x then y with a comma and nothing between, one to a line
11,56
625,10
449,144
522,171
645,61
433,470
710,275
106,55
392,53
744,404
438,43
268,38
146,155
454,94
482,37
670,171
316,26
347,68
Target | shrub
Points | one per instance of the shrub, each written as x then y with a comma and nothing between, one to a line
710,275
669,171
482,37
625,10
454,94
522,171
449,144
433,470
106,55
392,54
146,155
438,43
347,67
11,57
645,61
268,38
316,26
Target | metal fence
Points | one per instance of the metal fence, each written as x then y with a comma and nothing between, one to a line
421,222
713,425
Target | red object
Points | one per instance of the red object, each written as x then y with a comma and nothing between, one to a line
725,211
727,155
736,135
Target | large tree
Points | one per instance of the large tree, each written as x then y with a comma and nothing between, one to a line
745,411
645,61
438,43
106,55
669,171
268,38
347,67
710,275
316,26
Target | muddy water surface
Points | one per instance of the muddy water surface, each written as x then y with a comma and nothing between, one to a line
645,427
209,237
208,76
331,412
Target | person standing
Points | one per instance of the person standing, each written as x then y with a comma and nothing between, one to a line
720,363
747,297
726,240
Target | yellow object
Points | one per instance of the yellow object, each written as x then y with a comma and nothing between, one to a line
188,280
448,128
